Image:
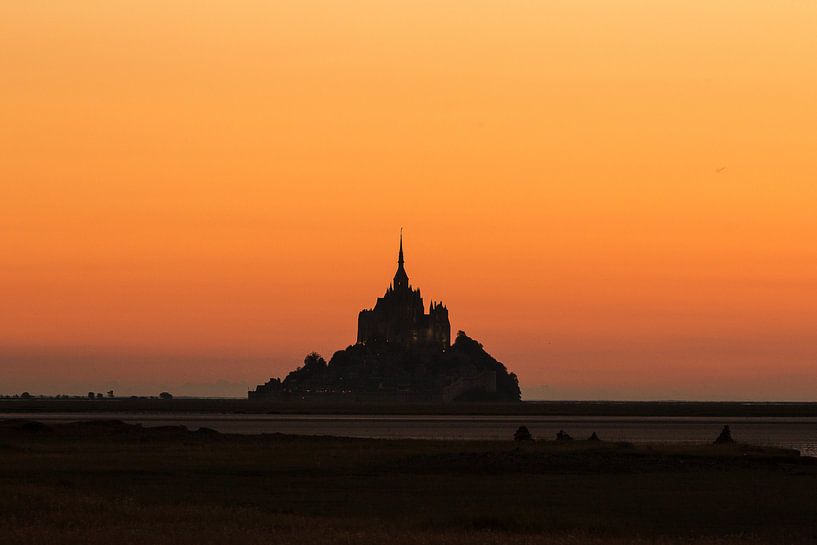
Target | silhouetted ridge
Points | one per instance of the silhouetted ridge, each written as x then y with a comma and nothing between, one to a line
387,371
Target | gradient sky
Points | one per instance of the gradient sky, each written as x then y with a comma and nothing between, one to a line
619,199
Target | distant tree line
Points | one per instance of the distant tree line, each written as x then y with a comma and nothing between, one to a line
91,395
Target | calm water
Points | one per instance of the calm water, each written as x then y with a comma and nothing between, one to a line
799,433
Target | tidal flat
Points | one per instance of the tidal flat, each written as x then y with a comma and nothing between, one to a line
110,482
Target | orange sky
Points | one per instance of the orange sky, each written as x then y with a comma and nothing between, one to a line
619,199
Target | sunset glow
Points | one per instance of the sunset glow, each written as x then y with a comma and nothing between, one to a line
618,199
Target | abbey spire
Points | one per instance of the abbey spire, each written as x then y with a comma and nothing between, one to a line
400,277
400,256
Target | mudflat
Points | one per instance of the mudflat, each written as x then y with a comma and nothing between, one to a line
112,482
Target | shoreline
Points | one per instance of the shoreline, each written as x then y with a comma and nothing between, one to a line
773,432
523,408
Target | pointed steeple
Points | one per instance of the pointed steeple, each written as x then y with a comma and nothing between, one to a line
400,256
400,277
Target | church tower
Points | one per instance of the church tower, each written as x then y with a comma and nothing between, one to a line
399,316
401,281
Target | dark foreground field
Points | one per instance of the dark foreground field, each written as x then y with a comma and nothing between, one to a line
112,483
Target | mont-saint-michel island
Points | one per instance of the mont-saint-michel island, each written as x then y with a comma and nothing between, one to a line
402,353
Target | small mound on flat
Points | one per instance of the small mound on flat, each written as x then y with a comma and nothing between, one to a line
100,427
20,426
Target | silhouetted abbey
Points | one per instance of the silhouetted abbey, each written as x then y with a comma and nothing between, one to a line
401,354
399,316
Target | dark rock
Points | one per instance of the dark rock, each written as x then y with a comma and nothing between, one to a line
593,437
563,436
522,434
389,371
725,437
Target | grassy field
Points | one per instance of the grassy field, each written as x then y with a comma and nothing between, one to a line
114,483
